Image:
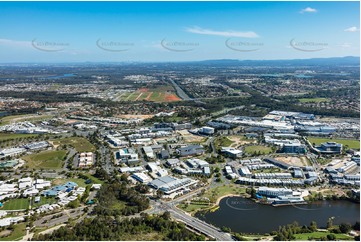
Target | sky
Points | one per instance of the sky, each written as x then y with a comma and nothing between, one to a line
176,31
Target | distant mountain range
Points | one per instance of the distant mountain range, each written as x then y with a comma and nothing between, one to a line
348,60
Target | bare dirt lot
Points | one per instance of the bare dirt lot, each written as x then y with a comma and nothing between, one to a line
294,161
191,138
240,140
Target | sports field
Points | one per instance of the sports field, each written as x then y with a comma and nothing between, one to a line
50,159
79,143
16,204
159,94
351,143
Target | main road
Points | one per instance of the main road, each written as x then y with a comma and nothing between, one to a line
196,224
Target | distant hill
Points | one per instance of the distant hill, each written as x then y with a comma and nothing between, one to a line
348,60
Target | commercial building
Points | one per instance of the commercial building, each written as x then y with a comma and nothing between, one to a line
172,162
141,177
206,130
11,152
231,152
329,148
86,160
274,192
169,184
294,148
126,155
190,150
148,152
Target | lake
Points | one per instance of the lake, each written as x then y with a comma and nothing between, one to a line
243,215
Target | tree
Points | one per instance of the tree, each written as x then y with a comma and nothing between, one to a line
330,223
313,226
331,237
345,227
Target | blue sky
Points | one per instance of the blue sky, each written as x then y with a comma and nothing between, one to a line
176,31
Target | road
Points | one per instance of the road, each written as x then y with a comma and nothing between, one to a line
48,221
180,91
192,222
196,224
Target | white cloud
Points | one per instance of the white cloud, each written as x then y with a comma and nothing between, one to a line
231,33
14,43
308,10
352,29
346,45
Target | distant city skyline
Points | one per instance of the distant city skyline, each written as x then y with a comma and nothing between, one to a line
177,31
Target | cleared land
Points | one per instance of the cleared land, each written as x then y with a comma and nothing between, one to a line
351,143
8,136
239,140
294,161
50,159
79,143
314,100
159,94
191,138
16,204
21,118
257,148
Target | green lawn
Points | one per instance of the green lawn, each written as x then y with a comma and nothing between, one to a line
9,136
79,143
318,235
50,159
314,100
224,142
257,148
43,200
214,193
16,204
192,207
17,234
351,143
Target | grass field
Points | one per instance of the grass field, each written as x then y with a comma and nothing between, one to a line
314,100
8,136
159,94
50,159
214,193
16,204
79,143
17,234
21,118
43,200
223,142
351,143
257,148
318,235
192,207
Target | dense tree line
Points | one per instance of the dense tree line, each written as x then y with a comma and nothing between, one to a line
112,196
103,228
